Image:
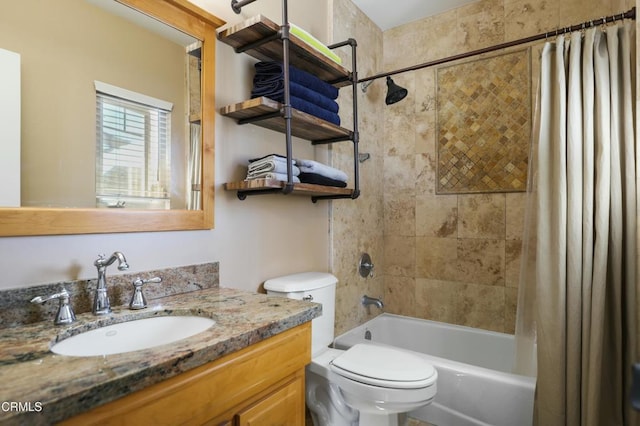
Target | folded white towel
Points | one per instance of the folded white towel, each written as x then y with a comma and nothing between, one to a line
271,166
276,176
270,157
311,166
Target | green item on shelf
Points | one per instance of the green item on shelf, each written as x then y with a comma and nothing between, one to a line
314,42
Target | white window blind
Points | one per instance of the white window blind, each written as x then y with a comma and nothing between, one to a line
133,153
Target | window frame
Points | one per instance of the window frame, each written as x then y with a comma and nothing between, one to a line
154,130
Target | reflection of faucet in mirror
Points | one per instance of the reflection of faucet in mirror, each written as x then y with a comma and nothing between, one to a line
101,304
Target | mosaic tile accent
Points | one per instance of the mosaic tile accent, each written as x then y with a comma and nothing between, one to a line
484,124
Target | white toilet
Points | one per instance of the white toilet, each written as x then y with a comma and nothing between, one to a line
365,385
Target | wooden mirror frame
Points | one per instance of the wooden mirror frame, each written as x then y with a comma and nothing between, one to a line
23,221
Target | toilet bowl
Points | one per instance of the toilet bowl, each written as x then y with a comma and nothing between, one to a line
367,384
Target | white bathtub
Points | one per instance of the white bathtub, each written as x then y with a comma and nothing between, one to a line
475,383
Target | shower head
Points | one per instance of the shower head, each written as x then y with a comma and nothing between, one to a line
395,93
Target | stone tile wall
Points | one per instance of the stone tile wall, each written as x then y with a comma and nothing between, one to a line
483,124
356,225
455,258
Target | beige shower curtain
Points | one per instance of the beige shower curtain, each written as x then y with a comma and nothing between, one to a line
194,177
583,278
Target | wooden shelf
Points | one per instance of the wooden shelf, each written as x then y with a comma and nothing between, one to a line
260,38
298,188
303,125
302,56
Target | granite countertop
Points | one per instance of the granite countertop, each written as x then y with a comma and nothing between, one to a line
53,387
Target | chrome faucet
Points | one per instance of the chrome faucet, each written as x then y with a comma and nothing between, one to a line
65,313
138,301
101,304
366,301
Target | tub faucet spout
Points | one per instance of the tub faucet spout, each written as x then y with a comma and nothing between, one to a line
366,301
101,304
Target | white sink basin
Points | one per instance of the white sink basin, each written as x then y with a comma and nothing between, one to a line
132,335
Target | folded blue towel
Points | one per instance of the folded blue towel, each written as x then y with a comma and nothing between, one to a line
275,91
270,71
269,82
317,179
309,108
315,110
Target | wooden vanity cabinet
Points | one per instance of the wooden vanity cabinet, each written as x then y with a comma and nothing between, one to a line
280,407
262,384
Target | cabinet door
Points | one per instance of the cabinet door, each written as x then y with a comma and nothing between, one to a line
283,407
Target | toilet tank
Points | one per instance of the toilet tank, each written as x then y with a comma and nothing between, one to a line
319,287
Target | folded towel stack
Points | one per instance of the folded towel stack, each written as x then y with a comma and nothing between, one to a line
307,92
320,174
314,43
271,167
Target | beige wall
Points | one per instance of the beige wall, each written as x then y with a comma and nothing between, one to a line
65,46
454,258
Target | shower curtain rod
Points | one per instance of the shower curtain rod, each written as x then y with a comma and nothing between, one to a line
630,14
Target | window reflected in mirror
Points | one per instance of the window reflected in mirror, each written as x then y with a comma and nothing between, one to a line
133,141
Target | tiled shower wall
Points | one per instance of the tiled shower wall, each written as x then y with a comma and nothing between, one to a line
454,258
357,225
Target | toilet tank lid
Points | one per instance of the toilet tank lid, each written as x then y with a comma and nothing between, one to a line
303,281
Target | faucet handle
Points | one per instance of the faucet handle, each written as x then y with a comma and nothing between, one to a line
65,314
365,266
138,301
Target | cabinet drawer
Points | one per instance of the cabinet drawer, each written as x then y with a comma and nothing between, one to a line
283,407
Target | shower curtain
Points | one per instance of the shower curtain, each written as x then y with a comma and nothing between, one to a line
577,299
194,173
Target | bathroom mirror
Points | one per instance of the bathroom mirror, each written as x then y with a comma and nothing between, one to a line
82,217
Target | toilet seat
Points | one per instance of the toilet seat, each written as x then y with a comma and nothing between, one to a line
385,367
